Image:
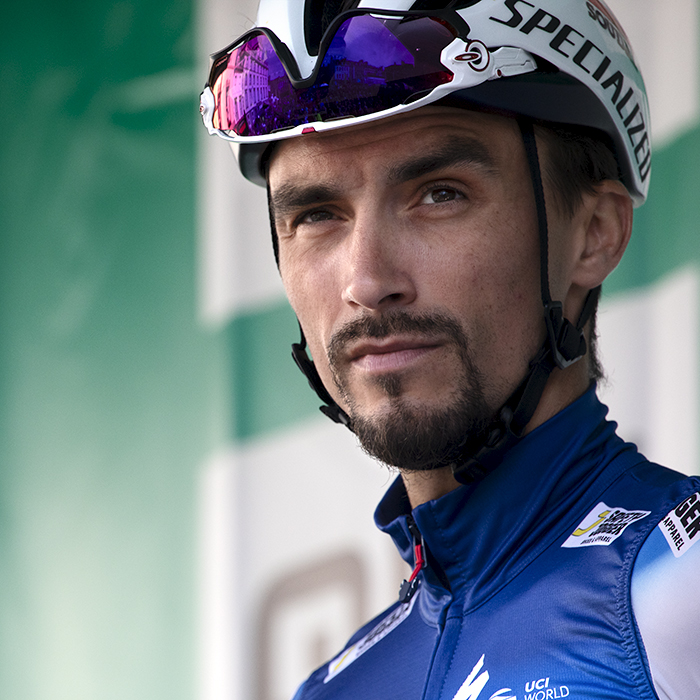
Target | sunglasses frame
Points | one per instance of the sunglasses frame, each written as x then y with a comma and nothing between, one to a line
449,17
509,61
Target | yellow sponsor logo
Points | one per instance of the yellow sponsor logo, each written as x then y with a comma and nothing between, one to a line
601,516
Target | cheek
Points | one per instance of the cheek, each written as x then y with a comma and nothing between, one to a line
310,296
490,261
496,287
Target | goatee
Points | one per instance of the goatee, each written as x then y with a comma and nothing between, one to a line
410,436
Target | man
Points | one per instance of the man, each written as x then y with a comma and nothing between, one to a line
439,175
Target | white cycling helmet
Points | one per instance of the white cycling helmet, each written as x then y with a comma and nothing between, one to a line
315,65
312,65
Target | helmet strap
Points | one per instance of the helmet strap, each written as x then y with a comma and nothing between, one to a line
330,408
566,341
564,345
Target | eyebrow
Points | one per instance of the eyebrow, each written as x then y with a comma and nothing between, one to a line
458,150
290,198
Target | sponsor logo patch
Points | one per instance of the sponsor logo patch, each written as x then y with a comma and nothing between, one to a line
682,525
603,525
387,625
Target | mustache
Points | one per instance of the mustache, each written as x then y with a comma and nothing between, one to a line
394,323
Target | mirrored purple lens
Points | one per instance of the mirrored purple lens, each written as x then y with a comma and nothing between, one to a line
371,65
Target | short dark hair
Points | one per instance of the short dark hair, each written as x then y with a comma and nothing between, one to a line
579,159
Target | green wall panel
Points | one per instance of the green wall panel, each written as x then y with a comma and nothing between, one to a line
111,396
269,392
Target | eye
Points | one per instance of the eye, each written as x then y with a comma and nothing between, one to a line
440,195
314,216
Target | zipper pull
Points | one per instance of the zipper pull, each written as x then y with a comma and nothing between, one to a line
410,586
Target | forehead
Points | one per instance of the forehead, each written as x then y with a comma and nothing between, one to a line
388,141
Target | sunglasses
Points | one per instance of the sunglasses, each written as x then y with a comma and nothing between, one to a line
372,63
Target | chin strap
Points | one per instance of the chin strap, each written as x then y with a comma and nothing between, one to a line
564,345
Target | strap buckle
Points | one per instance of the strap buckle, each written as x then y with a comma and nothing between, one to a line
566,341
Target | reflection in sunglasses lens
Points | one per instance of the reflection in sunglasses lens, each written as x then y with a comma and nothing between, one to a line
370,65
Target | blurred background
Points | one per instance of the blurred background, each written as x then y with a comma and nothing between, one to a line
177,520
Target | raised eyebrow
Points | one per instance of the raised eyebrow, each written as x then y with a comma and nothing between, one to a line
456,151
290,198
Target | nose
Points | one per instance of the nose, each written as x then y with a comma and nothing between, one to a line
377,268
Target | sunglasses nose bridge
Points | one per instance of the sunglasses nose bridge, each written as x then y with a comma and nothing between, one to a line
289,31
306,64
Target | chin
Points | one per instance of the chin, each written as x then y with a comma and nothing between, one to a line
412,436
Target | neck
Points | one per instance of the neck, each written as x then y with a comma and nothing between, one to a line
563,388
428,485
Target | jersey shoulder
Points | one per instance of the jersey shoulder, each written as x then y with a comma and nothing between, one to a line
666,602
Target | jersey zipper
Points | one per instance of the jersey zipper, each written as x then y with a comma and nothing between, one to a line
410,586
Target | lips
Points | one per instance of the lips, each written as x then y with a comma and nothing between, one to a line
391,354
392,342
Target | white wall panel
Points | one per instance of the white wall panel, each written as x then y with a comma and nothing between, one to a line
649,347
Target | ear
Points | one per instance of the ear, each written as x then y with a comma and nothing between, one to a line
604,225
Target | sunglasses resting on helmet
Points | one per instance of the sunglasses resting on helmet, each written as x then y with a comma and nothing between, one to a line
371,64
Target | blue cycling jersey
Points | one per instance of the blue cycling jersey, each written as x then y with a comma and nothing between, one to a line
569,572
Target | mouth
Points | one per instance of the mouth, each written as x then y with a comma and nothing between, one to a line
390,355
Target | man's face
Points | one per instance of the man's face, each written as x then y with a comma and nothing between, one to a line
409,252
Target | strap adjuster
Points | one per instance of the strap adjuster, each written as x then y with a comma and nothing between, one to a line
567,342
